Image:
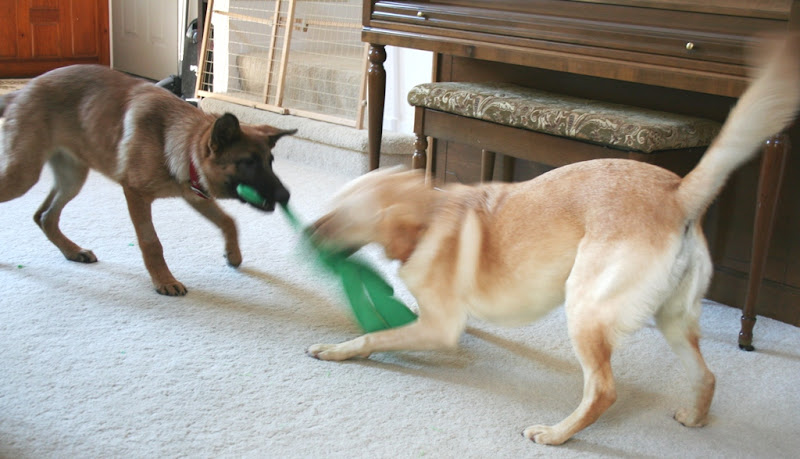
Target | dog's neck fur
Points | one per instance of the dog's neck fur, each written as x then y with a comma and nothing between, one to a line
194,180
445,205
185,167
402,239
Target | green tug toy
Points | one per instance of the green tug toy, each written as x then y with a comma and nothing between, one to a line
371,298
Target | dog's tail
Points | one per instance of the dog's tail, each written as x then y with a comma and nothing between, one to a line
5,101
764,110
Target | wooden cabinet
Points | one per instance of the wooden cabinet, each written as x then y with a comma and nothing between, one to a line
40,35
697,46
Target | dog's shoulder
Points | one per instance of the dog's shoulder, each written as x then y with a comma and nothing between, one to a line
483,200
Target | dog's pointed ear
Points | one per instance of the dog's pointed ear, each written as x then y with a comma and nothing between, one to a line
401,229
226,131
275,134
273,139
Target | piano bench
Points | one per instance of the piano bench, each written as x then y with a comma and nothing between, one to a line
552,129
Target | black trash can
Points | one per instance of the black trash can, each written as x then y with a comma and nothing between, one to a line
189,66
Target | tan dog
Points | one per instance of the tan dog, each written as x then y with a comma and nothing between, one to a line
616,241
142,136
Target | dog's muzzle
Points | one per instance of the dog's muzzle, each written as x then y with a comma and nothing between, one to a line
265,199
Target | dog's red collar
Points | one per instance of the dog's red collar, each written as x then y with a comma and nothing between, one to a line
194,181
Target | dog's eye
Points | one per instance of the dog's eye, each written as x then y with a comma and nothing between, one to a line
246,162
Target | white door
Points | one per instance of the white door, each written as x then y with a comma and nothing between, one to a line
145,36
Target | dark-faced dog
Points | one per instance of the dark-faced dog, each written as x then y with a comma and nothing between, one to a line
152,143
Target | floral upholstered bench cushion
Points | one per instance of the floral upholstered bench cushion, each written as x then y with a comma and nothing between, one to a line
614,125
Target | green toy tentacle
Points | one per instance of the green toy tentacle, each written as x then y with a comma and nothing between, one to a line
371,298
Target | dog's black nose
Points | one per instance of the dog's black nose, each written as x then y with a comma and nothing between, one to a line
282,195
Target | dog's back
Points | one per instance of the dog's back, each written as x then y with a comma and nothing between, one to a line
89,111
5,100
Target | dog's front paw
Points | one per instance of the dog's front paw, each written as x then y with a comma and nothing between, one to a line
544,435
234,257
84,256
335,352
325,352
174,288
690,418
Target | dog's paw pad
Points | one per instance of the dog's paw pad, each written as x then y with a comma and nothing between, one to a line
544,435
84,256
335,352
318,350
234,258
172,289
690,418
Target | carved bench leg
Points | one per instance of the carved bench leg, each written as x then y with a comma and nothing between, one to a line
487,165
508,168
773,164
420,158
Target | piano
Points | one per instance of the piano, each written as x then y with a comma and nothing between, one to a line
675,55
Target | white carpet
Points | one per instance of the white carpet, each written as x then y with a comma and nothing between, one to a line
94,363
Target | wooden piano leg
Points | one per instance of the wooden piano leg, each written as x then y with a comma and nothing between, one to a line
376,98
773,164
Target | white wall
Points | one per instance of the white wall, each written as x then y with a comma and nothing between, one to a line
405,68
144,39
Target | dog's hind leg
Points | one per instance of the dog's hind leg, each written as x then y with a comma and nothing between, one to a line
678,321
69,176
21,163
593,346
608,296
16,181
211,210
683,336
